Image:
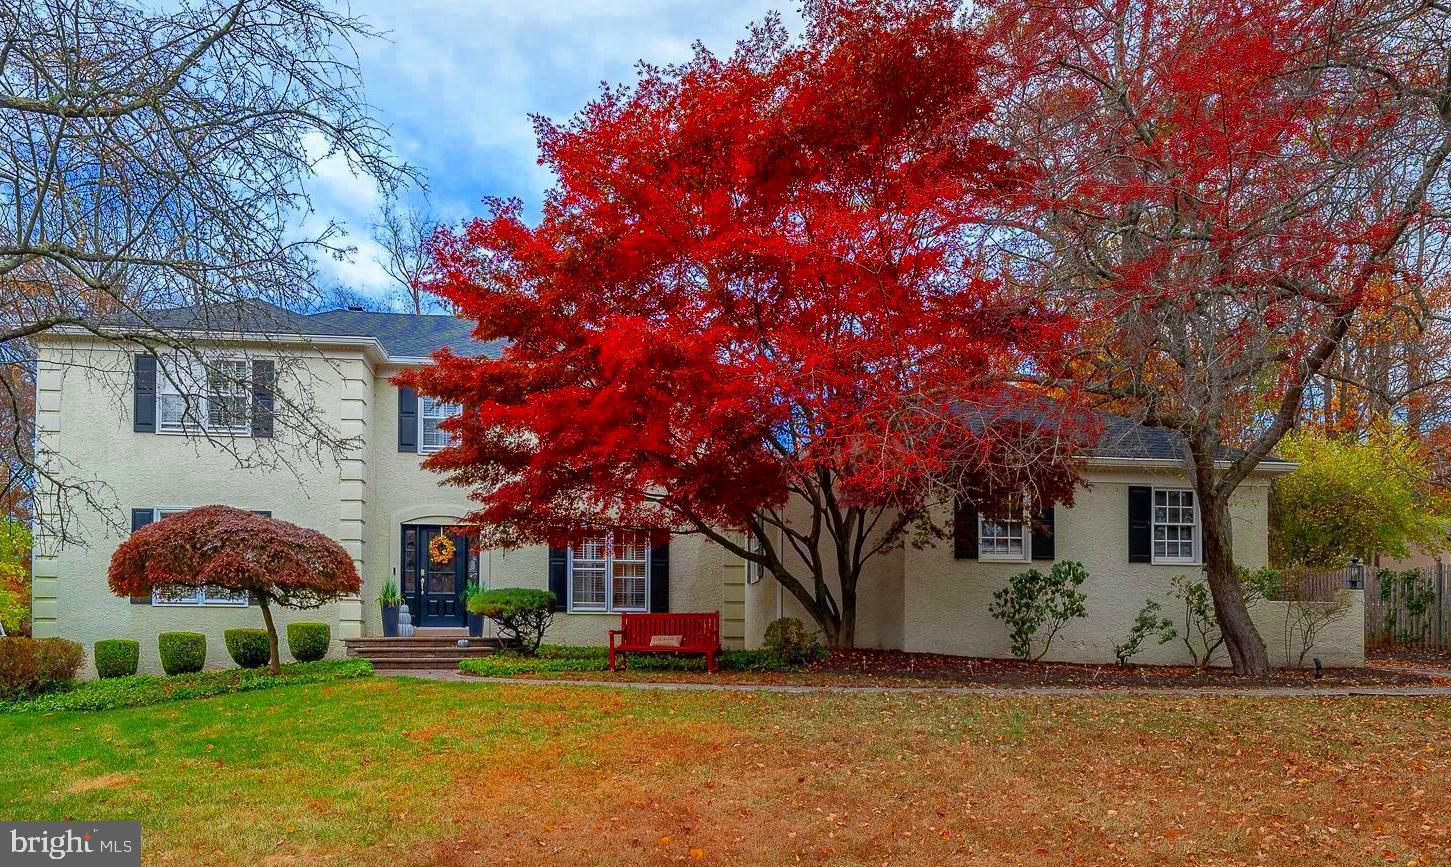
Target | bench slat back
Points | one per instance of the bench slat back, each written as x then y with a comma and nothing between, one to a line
695,630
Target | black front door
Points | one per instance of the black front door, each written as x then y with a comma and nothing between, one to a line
433,589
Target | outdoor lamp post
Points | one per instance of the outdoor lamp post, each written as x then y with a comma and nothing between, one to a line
1355,574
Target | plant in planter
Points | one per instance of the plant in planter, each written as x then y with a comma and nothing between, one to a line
476,620
522,615
388,602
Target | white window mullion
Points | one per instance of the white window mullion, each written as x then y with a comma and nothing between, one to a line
1175,536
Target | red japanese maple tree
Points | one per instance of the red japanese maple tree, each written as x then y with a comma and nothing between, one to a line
754,309
1221,189
219,546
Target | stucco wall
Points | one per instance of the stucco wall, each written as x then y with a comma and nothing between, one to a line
85,417
919,600
925,600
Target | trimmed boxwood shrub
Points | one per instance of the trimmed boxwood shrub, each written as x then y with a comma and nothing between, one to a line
182,652
29,666
117,657
308,642
248,648
521,615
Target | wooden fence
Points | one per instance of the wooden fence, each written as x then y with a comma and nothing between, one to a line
1402,607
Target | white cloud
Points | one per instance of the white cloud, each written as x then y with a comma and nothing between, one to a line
456,80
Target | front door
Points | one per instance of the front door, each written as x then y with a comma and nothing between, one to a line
433,588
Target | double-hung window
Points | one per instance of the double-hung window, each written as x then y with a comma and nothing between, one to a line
1008,539
610,572
431,411
191,596
214,396
1176,527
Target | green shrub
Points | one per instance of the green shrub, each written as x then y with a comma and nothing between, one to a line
308,642
140,690
1035,605
791,643
522,615
182,652
1149,622
117,657
248,648
31,666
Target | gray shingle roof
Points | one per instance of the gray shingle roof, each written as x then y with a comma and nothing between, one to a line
1126,438
403,335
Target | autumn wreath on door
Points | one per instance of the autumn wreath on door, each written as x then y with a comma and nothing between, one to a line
441,550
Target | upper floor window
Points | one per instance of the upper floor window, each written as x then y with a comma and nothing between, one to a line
431,411
1176,527
215,397
610,572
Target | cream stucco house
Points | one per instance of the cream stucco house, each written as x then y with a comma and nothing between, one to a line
118,417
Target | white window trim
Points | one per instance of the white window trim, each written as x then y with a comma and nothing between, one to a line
200,406
1197,558
609,607
199,599
424,449
994,557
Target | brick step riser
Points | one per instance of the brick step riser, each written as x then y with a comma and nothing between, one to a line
453,656
426,644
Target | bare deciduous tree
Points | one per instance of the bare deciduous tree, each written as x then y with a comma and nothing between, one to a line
403,235
157,159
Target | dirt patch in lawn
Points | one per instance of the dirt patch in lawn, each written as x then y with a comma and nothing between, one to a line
101,783
897,668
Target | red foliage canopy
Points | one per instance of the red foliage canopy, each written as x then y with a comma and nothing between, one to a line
224,547
756,277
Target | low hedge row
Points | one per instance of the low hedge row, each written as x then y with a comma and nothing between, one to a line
557,658
139,690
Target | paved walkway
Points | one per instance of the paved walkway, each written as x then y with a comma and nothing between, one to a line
1288,691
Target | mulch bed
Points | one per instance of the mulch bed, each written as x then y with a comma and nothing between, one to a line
870,665
1427,656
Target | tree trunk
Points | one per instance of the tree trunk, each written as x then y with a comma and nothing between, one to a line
274,665
1246,649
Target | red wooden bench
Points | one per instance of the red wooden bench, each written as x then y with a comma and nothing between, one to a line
658,633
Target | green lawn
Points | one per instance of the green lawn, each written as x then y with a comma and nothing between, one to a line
396,771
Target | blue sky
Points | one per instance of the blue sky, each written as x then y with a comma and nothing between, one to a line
457,80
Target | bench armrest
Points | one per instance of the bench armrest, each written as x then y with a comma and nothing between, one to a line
613,633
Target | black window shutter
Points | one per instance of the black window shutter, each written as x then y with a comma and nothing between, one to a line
660,577
964,531
1141,511
1043,536
408,421
142,517
263,374
143,394
559,577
